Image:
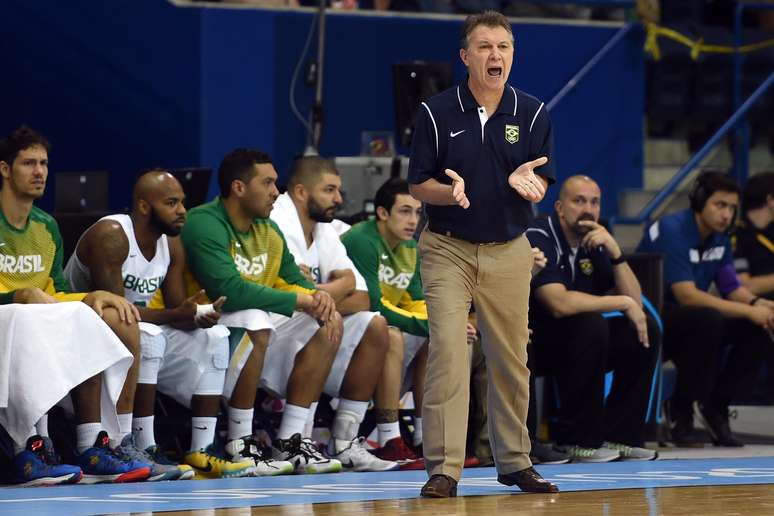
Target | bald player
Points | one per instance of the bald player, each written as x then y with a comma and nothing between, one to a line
585,276
184,351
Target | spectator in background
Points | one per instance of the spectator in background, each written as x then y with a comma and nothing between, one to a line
698,325
586,275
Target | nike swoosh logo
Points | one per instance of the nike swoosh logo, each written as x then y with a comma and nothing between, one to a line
207,468
200,427
452,134
2,244
349,464
384,257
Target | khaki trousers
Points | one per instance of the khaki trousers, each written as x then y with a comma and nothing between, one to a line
496,278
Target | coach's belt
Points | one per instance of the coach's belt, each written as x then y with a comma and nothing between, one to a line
452,234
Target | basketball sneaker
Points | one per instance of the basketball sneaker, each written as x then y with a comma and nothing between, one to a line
134,455
396,450
101,464
249,449
34,466
158,457
303,455
631,452
582,454
207,464
356,458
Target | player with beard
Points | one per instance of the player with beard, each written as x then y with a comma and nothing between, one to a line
585,276
51,344
304,214
235,250
184,351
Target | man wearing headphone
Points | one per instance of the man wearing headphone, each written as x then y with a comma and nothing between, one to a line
698,325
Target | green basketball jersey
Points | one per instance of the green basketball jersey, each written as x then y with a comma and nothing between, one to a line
392,275
32,257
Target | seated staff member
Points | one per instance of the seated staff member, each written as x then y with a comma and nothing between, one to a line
753,238
586,275
699,326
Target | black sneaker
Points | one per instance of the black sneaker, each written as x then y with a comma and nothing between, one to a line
546,453
681,429
716,423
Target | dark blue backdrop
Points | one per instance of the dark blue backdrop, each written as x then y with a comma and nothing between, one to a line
122,85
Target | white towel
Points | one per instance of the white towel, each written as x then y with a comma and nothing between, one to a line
331,252
45,351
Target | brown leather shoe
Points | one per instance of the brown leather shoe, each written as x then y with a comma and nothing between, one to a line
528,481
439,486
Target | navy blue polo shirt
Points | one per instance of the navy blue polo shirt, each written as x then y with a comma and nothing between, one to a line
448,134
686,256
589,271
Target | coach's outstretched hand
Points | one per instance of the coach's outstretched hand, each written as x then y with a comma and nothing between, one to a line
526,183
458,189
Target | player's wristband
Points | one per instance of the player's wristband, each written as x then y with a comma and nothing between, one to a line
618,261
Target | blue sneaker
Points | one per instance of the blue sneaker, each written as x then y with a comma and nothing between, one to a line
101,464
32,467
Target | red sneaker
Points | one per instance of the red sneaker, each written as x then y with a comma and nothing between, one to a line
396,450
471,461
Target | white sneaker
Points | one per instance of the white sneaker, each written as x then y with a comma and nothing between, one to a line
248,449
581,454
357,458
303,455
631,452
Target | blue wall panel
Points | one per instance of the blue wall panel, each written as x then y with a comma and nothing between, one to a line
127,84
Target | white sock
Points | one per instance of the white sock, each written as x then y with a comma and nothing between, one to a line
417,431
42,426
240,423
86,435
387,431
20,447
309,425
349,415
203,432
124,429
293,421
142,429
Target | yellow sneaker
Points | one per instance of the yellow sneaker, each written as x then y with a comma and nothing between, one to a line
208,465
187,472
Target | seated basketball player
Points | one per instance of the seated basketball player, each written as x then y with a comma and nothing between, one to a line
234,250
304,214
384,252
184,351
55,344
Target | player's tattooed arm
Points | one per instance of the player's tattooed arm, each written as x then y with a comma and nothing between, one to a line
103,249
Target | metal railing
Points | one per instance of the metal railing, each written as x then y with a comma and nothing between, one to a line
681,174
601,53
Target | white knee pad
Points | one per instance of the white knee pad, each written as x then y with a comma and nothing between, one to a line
214,375
152,348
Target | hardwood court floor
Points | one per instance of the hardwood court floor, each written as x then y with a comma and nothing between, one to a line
748,500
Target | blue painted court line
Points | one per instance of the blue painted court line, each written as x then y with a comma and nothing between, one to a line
349,487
